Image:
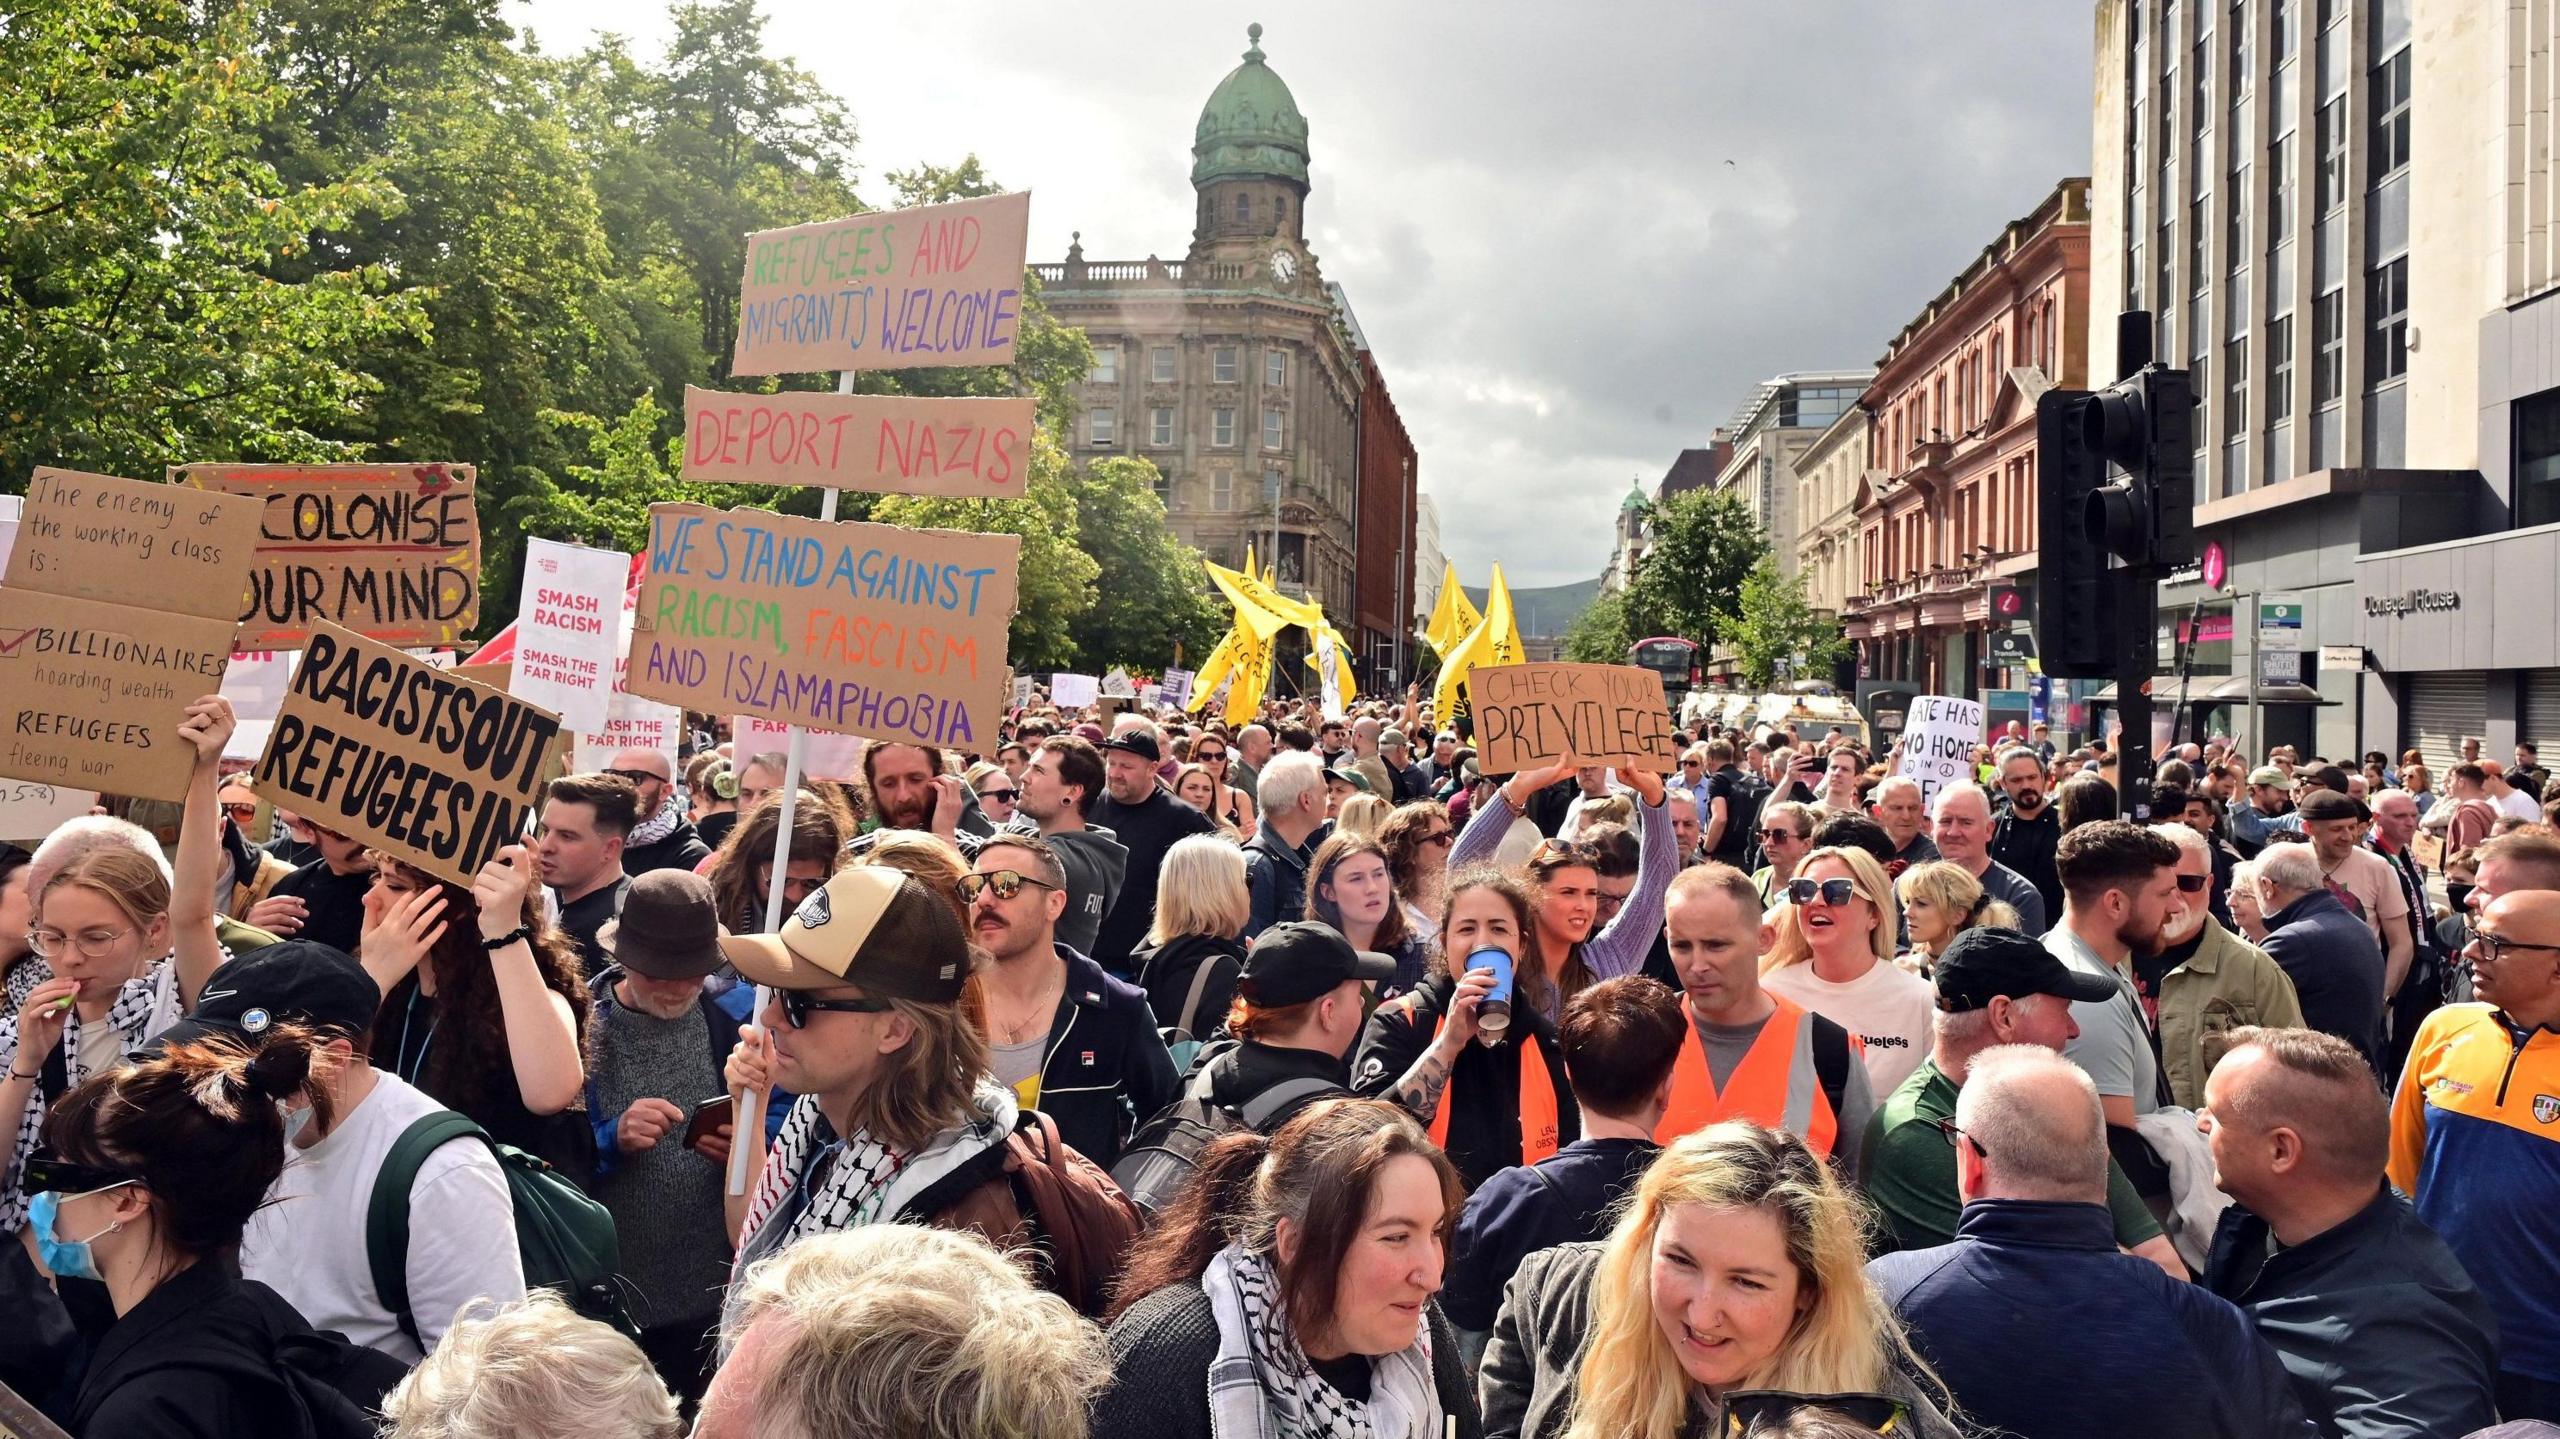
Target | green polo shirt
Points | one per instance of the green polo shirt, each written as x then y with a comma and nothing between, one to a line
1910,1171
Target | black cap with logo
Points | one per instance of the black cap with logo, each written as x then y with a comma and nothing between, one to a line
1986,963
299,981
1304,960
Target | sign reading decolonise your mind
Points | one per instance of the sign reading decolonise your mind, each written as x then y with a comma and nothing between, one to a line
854,628
117,612
389,551
938,285
1937,746
892,444
438,771
1531,715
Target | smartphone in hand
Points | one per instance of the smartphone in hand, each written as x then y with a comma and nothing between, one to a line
707,1118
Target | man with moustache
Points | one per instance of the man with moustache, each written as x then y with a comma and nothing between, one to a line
909,790
2028,829
2204,981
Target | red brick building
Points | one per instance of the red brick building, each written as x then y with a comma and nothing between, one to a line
1382,579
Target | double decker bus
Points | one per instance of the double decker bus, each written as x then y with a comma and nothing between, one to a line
1673,658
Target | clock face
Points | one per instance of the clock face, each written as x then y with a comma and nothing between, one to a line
1284,266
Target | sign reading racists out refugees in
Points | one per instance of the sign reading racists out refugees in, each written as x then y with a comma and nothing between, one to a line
117,613
1937,745
938,285
1531,715
892,444
389,551
860,629
435,770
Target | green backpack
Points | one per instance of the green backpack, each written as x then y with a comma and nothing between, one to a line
565,1238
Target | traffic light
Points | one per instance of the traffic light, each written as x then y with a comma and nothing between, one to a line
2075,597
2115,479
2142,428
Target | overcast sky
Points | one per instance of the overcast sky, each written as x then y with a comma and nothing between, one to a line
1575,235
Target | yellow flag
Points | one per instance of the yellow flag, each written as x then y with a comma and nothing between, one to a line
1453,615
1253,677
1495,640
1212,670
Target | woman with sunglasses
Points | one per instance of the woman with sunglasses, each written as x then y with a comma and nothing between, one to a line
146,1182
742,872
1784,837
1417,838
1351,886
1834,956
1228,803
1941,900
997,791
1564,952
1732,1290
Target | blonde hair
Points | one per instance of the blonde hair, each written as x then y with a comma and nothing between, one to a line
1201,890
535,1356
901,1329
1844,1339
1361,814
1955,891
1867,878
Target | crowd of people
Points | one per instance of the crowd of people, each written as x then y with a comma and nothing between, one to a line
1142,1075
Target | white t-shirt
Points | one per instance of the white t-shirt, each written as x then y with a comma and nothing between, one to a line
2521,805
1888,1007
307,1244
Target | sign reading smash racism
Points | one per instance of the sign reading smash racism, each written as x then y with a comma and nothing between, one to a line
438,771
117,613
893,444
861,629
1532,715
389,551
938,285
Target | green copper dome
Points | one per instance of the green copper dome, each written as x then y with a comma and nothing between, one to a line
1251,128
1635,499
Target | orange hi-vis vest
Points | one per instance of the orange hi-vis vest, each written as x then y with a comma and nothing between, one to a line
1538,1131
1777,1085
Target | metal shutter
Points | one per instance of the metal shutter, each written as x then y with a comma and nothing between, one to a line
2542,710
2438,710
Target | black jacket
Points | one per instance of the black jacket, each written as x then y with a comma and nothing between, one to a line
1483,1097
2381,1331
1567,1199
1239,1071
1105,1070
2336,967
1166,973
2027,846
1146,831
1275,877
196,1360
1161,1350
682,848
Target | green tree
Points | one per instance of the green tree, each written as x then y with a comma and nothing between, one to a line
1776,622
139,315
1057,577
1703,543
1150,591
1599,634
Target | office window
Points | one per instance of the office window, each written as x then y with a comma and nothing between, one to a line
1106,364
2279,369
1104,424
2280,20
2235,379
2329,131
2537,463
1222,429
1244,209
2235,216
1160,425
2386,354
1164,488
2280,185
1273,429
1275,368
2390,111
2242,72
1222,364
1222,490
2328,349
1160,364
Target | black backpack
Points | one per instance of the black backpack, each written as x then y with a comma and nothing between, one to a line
1165,1152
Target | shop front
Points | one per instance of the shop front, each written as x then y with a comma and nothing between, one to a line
2463,639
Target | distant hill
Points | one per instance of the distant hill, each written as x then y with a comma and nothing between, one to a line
1545,614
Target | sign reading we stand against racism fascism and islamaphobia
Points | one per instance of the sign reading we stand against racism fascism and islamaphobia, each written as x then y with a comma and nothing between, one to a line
389,551
1531,715
118,612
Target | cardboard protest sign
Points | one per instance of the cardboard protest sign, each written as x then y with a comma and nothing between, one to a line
116,614
893,444
31,809
1116,682
434,770
822,755
1073,691
936,285
1532,715
497,676
389,551
1938,741
861,629
1024,687
569,630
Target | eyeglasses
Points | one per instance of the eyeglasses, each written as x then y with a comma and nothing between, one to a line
1775,836
1005,882
1442,837
95,943
45,1172
1834,892
636,776
797,1007
1768,1410
241,812
1955,1137
1210,756
2496,946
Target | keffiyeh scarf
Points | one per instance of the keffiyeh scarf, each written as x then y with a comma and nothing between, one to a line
1262,1387
658,826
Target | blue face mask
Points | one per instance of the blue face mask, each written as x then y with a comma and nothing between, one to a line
67,1258
295,1121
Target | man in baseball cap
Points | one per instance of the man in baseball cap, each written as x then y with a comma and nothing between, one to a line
1300,998
2263,813
1994,986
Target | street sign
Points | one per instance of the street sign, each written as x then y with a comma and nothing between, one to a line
2280,622
2012,602
2011,647
2342,657
2279,667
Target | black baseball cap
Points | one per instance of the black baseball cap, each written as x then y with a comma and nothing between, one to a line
299,981
1137,742
1304,960
1986,963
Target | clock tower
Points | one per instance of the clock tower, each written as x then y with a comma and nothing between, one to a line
1249,167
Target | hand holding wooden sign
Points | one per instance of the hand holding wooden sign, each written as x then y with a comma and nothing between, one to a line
1527,716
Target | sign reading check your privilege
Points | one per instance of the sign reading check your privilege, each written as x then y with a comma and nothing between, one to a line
437,771
861,629
389,551
117,613
893,290
1532,715
892,444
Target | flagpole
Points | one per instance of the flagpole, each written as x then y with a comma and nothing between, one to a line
751,1103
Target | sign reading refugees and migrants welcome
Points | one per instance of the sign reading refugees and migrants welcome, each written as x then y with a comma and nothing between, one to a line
117,613
389,551
436,770
892,444
861,629
1531,715
938,285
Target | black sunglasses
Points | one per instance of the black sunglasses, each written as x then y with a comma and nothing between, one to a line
2193,883
1768,836
1744,1408
1005,882
1834,892
636,776
797,1007
1007,794
44,1172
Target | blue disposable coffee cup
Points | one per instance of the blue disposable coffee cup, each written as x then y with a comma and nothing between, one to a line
1494,1015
